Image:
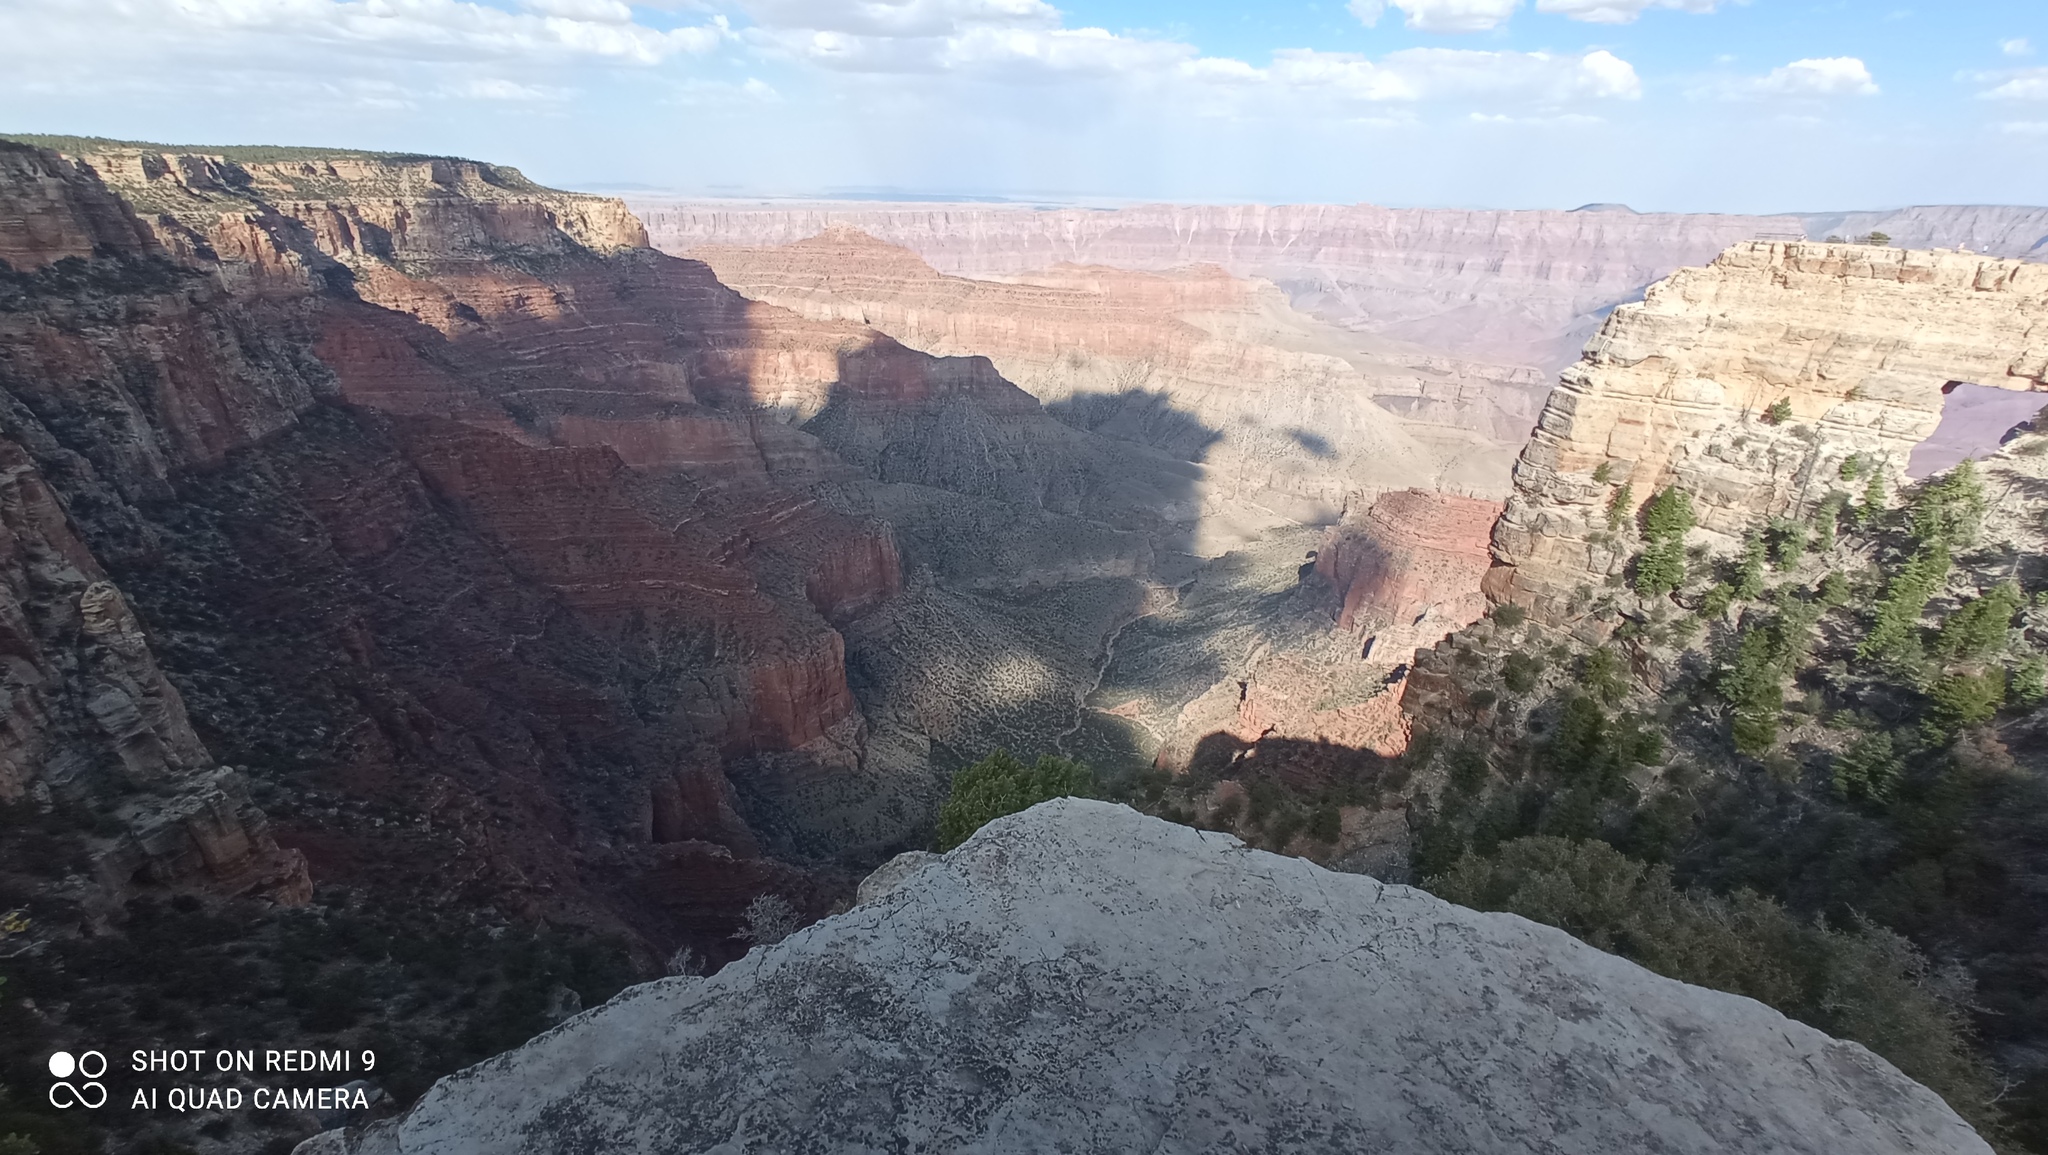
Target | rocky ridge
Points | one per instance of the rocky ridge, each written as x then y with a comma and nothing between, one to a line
1113,982
1858,342
1523,287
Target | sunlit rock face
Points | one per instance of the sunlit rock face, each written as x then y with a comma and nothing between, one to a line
1082,978
1410,568
1858,341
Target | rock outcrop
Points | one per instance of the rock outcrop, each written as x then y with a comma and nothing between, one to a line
1082,978
1858,341
1411,567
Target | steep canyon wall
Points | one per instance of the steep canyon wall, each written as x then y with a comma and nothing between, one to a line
437,495
1858,341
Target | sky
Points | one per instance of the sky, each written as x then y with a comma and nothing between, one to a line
1664,105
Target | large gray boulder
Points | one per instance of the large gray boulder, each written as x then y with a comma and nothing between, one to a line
1081,978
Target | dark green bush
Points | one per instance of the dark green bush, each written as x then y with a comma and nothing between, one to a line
1519,671
1861,982
1979,626
999,785
1958,700
1325,823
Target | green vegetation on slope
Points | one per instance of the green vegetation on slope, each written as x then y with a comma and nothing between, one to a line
1832,799
999,784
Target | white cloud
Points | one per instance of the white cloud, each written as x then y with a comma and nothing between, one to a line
498,88
2017,46
1018,38
2026,84
2025,127
1417,74
1823,76
549,30
234,63
1617,11
1817,77
906,18
594,11
1486,15
1440,15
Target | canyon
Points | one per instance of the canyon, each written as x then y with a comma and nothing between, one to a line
439,495
392,533
1514,290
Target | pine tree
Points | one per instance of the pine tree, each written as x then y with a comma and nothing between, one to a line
1620,506
1660,568
1872,505
1753,683
1895,626
1979,626
1827,520
1950,508
1749,571
1868,769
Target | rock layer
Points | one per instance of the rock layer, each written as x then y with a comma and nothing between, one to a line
1526,287
1082,978
1198,364
430,490
1858,341
1412,564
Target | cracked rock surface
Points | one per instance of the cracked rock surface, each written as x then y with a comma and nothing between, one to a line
1083,978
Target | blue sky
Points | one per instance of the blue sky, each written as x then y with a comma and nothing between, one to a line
1661,104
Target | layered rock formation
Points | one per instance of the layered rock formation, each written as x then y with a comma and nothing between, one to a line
1198,364
1994,230
1411,566
1082,978
1858,341
1522,287
410,481
1525,287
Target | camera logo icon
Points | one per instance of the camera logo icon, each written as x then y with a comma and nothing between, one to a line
89,1093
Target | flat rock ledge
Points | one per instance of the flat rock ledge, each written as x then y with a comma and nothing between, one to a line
1082,978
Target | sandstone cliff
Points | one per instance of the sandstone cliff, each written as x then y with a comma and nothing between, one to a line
1079,977
1858,341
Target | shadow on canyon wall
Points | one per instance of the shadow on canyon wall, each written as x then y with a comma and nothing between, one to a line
547,589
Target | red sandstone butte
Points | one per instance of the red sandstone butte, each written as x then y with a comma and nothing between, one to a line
1415,555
